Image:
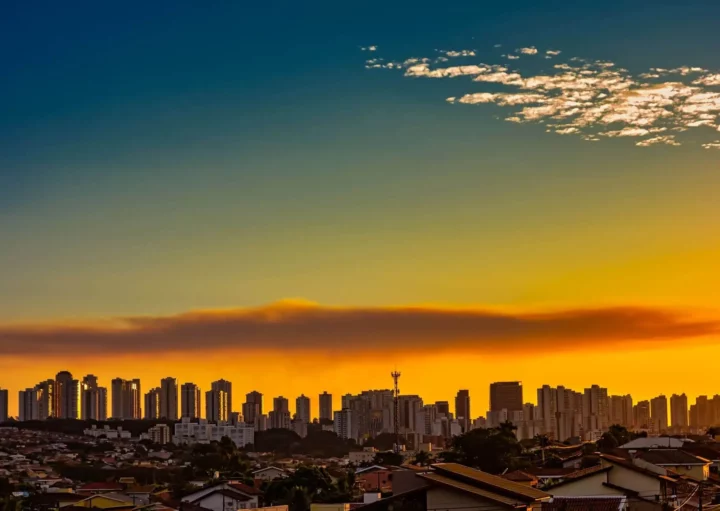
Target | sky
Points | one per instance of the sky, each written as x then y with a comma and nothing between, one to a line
301,197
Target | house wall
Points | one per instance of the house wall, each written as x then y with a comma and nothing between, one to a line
442,499
697,472
219,502
644,485
376,479
587,487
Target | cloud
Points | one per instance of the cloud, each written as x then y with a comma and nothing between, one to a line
662,139
368,48
712,145
461,53
592,99
303,327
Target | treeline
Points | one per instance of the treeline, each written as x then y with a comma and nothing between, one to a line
317,443
76,427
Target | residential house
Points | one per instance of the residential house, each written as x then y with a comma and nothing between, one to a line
225,496
269,473
678,461
448,486
374,479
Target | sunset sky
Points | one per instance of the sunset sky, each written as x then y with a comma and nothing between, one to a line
304,196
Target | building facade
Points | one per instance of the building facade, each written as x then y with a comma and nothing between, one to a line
190,401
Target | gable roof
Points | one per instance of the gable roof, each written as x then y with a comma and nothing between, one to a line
583,474
369,469
655,442
584,504
101,486
671,457
244,488
486,494
518,476
230,494
268,468
632,466
490,482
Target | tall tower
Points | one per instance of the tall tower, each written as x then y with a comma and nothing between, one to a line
396,378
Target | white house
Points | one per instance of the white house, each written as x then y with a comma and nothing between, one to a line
226,496
269,473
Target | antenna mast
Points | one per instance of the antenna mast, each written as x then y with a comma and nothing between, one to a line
396,377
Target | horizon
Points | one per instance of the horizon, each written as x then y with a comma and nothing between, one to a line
301,198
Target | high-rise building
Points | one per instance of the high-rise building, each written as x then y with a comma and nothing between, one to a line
28,405
4,405
506,395
93,399
596,416
641,412
252,409
430,415
462,409
345,400
703,411
679,410
621,410
326,406
343,424
169,399
126,398
217,408
408,408
224,386
547,410
190,401
281,404
302,408
67,395
152,403
443,408
659,414
45,395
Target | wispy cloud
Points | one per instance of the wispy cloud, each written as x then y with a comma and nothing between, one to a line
591,99
369,48
351,331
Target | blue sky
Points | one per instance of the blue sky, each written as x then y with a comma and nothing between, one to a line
155,158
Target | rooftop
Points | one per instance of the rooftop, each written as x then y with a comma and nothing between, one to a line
671,457
490,482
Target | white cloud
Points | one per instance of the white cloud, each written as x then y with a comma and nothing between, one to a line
369,48
591,99
662,139
711,79
497,46
712,145
461,53
553,53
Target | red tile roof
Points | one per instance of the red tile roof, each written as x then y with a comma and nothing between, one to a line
101,486
584,504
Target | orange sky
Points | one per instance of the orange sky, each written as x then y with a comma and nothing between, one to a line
434,365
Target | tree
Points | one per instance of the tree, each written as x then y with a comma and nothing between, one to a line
607,442
491,450
621,433
388,458
542,441
299,499
422,458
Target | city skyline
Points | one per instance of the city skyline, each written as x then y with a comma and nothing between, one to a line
295,197
168,401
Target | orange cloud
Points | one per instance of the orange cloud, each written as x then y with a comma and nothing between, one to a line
306,327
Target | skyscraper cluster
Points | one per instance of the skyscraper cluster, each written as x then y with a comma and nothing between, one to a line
63,398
